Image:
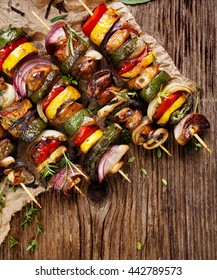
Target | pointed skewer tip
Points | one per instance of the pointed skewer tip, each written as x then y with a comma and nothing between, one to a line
124,175
165,150
30,195
202,143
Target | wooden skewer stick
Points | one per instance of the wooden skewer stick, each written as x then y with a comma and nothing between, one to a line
74,184
202,142
41,21
124,175
30,195
165,150
86,7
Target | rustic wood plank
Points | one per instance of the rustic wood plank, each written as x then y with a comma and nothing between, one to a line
177,221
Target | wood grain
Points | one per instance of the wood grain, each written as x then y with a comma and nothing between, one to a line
177,221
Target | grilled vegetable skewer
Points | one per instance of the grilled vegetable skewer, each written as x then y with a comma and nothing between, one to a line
135,63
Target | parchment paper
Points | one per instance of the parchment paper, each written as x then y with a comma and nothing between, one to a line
16,200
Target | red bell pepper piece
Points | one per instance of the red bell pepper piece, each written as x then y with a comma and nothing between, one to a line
165,105
84,132
44,149
4,52
129,64
54,92
92,20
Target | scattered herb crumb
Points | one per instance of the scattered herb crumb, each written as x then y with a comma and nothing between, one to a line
12,242
164,182
159,153
130,160
144,172
138,245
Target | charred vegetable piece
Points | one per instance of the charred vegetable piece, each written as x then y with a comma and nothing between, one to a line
6,148
99,82
154,86
10,35
93,20
123,52
109,137
33,129
144,78
72,58
117,40
188,126
44,89
19,53
74,123
103,26
180,113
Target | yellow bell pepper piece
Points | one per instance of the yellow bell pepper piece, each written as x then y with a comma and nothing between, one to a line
103,26
91,140
141,65
16,55
53,158
176,105
68,93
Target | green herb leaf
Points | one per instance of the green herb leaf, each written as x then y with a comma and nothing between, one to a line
12,242
133,2
138,245
33,244
159,153
164,182
144,172
196,144
130,160
54,19
70,80
31,212
49,170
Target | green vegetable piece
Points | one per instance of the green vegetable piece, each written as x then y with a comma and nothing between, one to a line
124,51
76,121
12,242
180,113
43,90
109,136
10,35
33,130
154,86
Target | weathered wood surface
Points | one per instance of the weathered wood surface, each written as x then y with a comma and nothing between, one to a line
177,221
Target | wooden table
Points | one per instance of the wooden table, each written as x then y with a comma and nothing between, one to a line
177,221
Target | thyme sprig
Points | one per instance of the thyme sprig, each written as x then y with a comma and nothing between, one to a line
70,165
49,170
29,216
125,94
12,242
33,243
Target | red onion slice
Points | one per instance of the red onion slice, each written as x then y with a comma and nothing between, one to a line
110,159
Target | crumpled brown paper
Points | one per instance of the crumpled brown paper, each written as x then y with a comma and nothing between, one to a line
16,200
